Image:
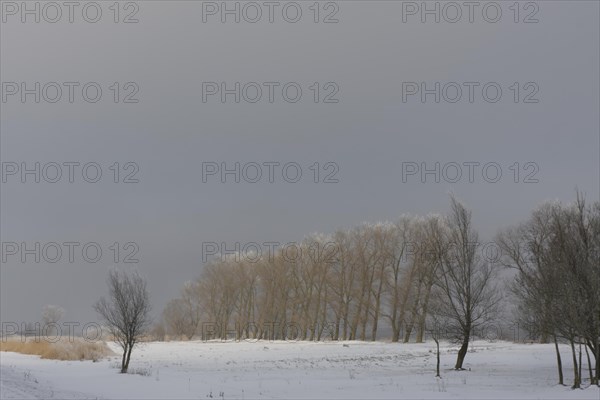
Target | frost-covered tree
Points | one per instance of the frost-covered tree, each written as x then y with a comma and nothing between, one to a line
51,314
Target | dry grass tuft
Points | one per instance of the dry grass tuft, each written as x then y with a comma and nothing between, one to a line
64,349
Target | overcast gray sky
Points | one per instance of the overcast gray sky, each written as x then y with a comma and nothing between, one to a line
368,134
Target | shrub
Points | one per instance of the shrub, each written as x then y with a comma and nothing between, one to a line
63,349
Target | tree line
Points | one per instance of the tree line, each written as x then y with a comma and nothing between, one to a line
413,275
409,275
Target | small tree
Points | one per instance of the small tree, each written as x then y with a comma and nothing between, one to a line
436,324
436,334
51,314
126,312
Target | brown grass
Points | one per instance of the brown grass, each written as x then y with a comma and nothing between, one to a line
64,349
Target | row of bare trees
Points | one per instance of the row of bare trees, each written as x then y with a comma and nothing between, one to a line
417,274
556,254
346,285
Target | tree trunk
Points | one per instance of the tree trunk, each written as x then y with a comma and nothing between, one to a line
437,369
408,332
395,333
462,352
345,317
363,325
128,357
420,329
376,315
558,363
576,383
413,314
587,353
423,316
597,378
377,305
123,365
420,333
323,324
579,373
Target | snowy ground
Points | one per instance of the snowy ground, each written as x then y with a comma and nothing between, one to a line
244,370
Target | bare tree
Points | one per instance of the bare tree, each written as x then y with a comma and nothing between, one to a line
126,312
556,255
51,314
178,320
434,327
182,315
526,248
574,252
396,288
342,282
425,257
466,283
158,331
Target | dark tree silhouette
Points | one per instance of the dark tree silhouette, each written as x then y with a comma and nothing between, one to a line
126,312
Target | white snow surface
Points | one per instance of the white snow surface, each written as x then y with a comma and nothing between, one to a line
298,370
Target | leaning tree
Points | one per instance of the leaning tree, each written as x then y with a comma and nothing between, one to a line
469,297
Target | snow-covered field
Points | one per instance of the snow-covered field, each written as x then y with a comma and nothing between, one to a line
276,370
